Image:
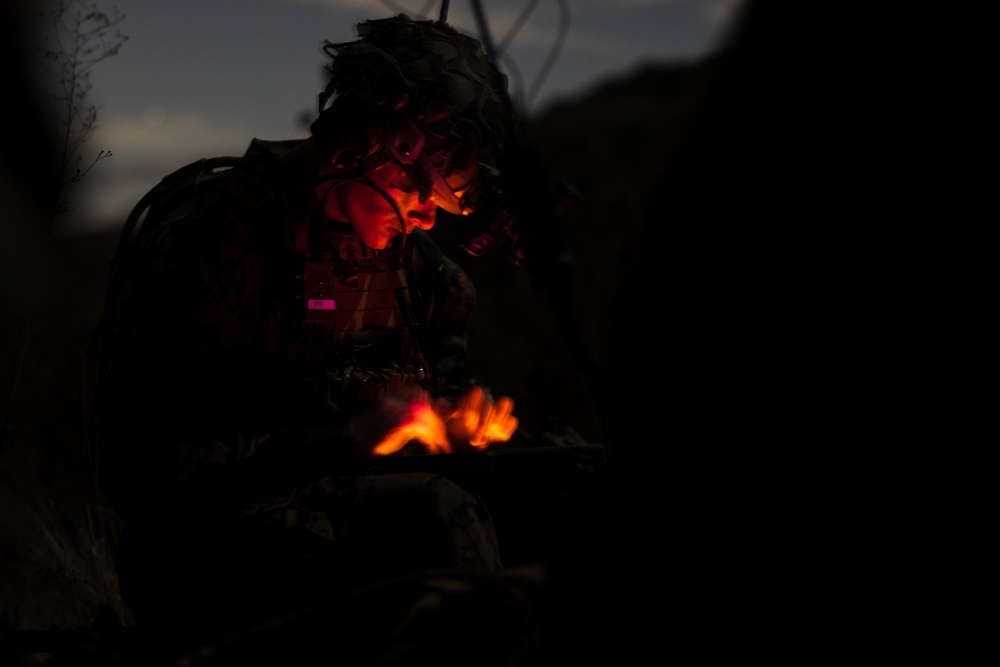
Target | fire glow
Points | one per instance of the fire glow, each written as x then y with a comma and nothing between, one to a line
420,423
478,420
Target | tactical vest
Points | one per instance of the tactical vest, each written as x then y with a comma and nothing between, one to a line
359,302
351,288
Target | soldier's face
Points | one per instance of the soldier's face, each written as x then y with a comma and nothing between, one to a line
365,204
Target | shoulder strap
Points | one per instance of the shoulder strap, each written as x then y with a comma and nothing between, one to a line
175,186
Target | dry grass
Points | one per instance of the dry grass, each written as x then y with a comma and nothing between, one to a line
57,536
58,557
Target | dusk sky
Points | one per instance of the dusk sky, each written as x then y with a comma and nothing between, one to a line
200,78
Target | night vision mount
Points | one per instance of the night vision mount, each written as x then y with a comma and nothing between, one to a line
517,210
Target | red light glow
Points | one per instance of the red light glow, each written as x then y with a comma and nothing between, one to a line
419,423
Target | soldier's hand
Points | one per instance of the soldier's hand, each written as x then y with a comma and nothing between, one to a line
478,420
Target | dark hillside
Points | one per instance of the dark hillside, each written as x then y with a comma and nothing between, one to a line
611,146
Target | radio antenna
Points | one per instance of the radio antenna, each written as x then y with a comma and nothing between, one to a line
484,29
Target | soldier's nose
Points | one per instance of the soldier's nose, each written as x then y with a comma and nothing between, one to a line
423,218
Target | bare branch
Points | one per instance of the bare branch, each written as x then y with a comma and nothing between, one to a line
76,35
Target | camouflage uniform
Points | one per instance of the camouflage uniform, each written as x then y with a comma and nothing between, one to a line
210,372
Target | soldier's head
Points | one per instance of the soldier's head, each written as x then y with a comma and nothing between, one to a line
418,106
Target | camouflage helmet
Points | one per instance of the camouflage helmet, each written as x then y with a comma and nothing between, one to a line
422,81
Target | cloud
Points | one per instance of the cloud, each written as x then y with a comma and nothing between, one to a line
170,136
144,149
540,28
724,12
377,9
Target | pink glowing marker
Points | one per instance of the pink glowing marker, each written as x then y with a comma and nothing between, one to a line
321,304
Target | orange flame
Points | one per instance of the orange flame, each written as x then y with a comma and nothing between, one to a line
419,423
475,419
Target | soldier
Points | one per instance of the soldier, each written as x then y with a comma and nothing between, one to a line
269,312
